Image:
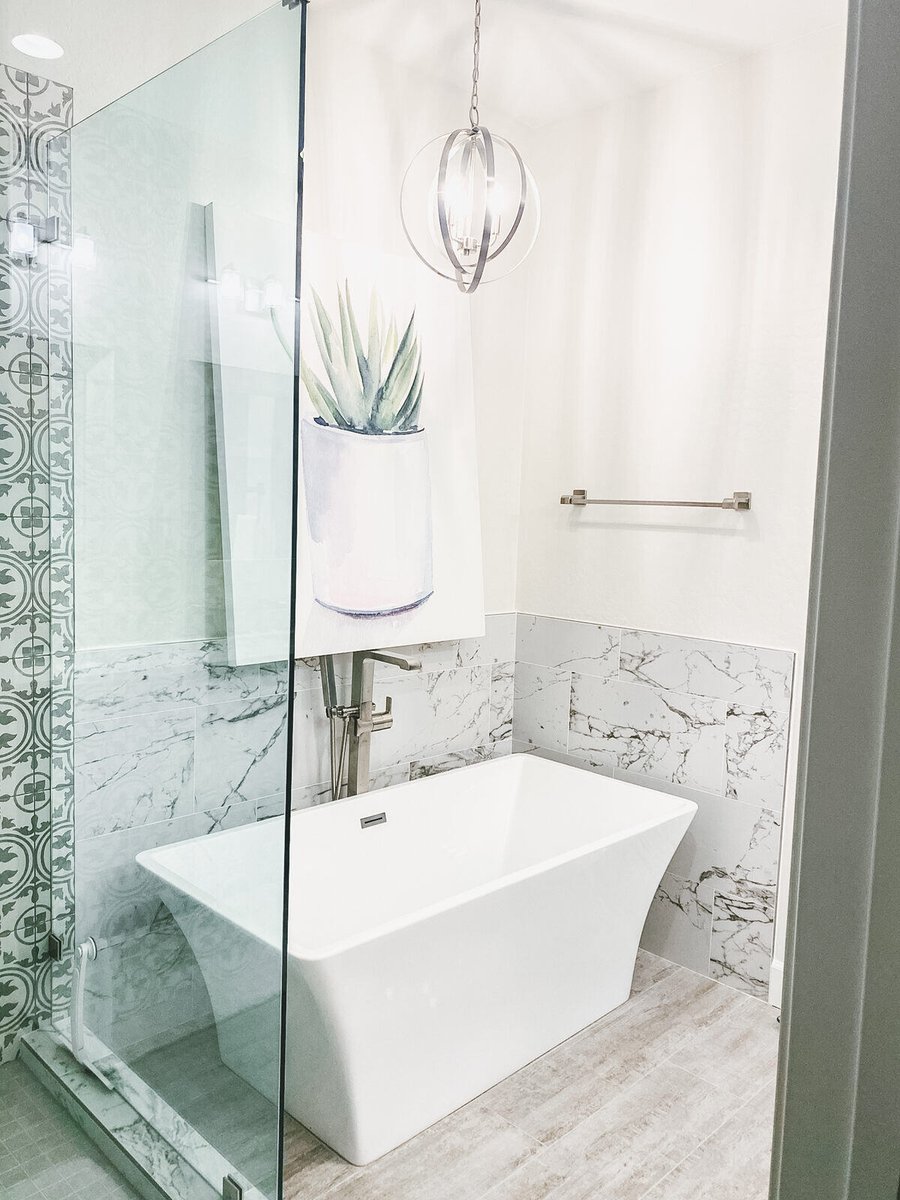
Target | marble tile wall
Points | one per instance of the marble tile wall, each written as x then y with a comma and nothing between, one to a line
171,743
32,112
704,719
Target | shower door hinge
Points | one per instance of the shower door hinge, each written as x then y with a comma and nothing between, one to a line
55,948
290,3
48,229
231,1189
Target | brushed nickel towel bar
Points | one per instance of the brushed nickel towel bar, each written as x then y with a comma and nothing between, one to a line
739,502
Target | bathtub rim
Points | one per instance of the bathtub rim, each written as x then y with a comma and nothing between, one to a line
153,861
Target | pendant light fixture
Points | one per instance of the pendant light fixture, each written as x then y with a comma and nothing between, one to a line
469,205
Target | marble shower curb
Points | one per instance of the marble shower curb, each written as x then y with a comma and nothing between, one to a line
140,1154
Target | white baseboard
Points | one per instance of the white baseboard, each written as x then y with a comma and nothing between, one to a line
776,982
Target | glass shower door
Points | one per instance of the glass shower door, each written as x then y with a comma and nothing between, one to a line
171,436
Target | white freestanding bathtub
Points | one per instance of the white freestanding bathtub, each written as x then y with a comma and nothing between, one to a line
493,913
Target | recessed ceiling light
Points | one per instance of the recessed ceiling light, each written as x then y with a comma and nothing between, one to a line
37,46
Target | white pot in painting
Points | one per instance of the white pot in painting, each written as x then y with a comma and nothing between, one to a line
368,503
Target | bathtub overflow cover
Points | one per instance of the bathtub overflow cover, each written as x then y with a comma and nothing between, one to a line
374,819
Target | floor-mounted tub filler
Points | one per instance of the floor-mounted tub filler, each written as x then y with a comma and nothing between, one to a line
442,934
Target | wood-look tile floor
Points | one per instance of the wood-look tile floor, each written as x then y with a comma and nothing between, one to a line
670,1097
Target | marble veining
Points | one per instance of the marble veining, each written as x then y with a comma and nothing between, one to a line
472,700
540,705
175,743
708,720
435,714
88,1102
569,645
115,896
502,705
756,755
742,674
241,750
673,737
743,928
133,770
140,679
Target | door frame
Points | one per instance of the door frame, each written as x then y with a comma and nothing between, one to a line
837,1119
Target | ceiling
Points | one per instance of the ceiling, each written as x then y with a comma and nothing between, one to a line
541,59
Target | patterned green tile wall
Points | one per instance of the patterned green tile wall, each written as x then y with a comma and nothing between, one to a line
32,112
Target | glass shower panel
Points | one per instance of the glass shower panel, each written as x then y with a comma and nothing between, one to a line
172,434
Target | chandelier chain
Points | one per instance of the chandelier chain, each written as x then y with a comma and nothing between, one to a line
476,49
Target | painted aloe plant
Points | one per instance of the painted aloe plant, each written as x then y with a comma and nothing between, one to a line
373,388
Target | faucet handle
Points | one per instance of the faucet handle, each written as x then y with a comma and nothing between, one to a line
383,720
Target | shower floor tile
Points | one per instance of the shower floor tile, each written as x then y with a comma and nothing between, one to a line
670,1097
43,1154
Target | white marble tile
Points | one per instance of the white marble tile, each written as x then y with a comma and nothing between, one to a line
756,755
643,731
743,928
307,796
138,1150
499,643
274,677
743,675
725,840
421,768
137,679
241,751
572,645
562,756
728,848
390,776
133,770
679,923
434,657
502,699
433,714
145,988
115,895
759,862
311,753
541,706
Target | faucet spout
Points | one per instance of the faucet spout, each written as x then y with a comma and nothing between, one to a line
394,660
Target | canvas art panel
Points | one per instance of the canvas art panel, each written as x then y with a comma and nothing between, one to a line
389,532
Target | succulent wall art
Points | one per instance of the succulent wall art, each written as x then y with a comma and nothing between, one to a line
374,387
365,462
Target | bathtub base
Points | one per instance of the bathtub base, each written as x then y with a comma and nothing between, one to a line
392,1036
494,914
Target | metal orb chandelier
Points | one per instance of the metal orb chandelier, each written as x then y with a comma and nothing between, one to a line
468,198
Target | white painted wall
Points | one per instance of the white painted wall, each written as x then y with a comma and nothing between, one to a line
675,349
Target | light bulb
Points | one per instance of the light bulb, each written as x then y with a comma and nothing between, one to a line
35,45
